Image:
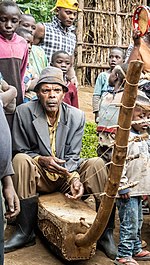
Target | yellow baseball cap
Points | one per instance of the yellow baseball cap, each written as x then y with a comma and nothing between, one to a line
69,4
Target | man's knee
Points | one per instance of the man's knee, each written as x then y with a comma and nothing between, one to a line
21,161
21,158
98,163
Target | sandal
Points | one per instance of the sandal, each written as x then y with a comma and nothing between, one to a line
125,261
142,255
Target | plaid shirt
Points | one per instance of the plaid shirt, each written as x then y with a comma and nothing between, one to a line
58,38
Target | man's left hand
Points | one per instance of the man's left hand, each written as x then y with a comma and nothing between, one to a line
77,189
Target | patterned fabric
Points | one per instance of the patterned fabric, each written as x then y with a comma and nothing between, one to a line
58,38
38,59
30,75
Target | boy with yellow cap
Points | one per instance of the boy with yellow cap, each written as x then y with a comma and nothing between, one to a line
59,34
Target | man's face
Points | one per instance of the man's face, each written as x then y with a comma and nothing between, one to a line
140,114
28,23
66,16
9,21
50,96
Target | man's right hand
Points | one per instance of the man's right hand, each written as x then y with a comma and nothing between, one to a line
53,164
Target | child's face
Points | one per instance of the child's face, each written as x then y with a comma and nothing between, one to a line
28,23
9,21
115,57
139,114
29,40
62,61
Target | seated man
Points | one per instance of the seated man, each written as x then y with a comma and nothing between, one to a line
47,139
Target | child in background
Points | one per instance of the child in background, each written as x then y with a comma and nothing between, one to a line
116,57
37,56
62,60
13,50
30,78
109,111
130,201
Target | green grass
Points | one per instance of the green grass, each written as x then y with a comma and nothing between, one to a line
89,141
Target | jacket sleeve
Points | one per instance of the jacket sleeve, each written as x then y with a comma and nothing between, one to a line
74,145
20,138
5,146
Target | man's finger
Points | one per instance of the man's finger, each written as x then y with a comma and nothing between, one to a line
59,161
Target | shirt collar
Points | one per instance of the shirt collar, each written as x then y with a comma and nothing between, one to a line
12,39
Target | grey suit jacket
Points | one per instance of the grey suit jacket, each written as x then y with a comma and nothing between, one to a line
5,146
31,135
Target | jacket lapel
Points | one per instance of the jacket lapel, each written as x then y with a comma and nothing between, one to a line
62,131
41,127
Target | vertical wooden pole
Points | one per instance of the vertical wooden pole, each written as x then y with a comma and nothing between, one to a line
118,24
80,40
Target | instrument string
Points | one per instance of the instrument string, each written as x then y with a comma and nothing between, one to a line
65,186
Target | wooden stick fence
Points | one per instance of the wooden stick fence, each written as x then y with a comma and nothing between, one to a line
102,25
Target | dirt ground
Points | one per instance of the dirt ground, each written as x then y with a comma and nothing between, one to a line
85,102
39,253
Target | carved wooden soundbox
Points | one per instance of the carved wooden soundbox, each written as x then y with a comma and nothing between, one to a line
60,219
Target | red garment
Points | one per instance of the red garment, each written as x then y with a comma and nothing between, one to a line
71,97
13,62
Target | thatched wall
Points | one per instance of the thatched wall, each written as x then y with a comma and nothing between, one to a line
102,24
